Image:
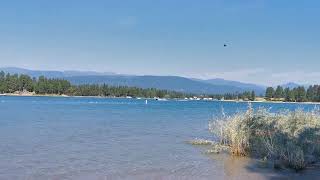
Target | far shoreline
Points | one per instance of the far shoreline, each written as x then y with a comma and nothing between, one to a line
266,101
107,97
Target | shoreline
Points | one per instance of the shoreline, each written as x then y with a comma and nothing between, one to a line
275,102
54,95
106,97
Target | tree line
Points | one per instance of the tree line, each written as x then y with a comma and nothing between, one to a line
246,95
297,94
42,85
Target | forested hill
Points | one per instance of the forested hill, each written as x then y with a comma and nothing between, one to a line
173,83
42,85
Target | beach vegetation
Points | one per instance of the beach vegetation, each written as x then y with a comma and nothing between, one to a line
288,138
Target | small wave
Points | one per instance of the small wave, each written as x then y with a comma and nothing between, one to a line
93,102
112,103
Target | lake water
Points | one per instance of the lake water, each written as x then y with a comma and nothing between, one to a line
97,138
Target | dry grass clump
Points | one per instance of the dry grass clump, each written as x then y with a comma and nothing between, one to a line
291,138
201,142
214,147
217,148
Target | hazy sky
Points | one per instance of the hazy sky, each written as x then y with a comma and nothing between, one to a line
269,41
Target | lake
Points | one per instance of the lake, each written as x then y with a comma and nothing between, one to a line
99,138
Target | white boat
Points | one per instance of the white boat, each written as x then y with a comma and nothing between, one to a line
160,99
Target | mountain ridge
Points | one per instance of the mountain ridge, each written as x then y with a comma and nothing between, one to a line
176,83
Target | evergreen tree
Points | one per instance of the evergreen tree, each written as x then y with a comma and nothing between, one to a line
279,92
12,83
287,94
300,94
269,93
253,96
317,92
25,83
2,82
311,94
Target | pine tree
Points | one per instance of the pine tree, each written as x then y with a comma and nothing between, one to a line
287,94
300,94
2,82
253,96
269,93
311,94
279,92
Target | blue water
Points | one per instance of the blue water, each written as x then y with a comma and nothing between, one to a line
97,138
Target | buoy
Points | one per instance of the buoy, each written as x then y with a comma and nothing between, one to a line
146,101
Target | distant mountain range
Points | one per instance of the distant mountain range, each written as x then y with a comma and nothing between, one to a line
52,74
175,83
248,86
292,85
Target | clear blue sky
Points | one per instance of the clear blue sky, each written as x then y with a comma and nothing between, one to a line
269,41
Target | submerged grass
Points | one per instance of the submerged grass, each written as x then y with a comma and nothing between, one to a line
201,142
289,138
